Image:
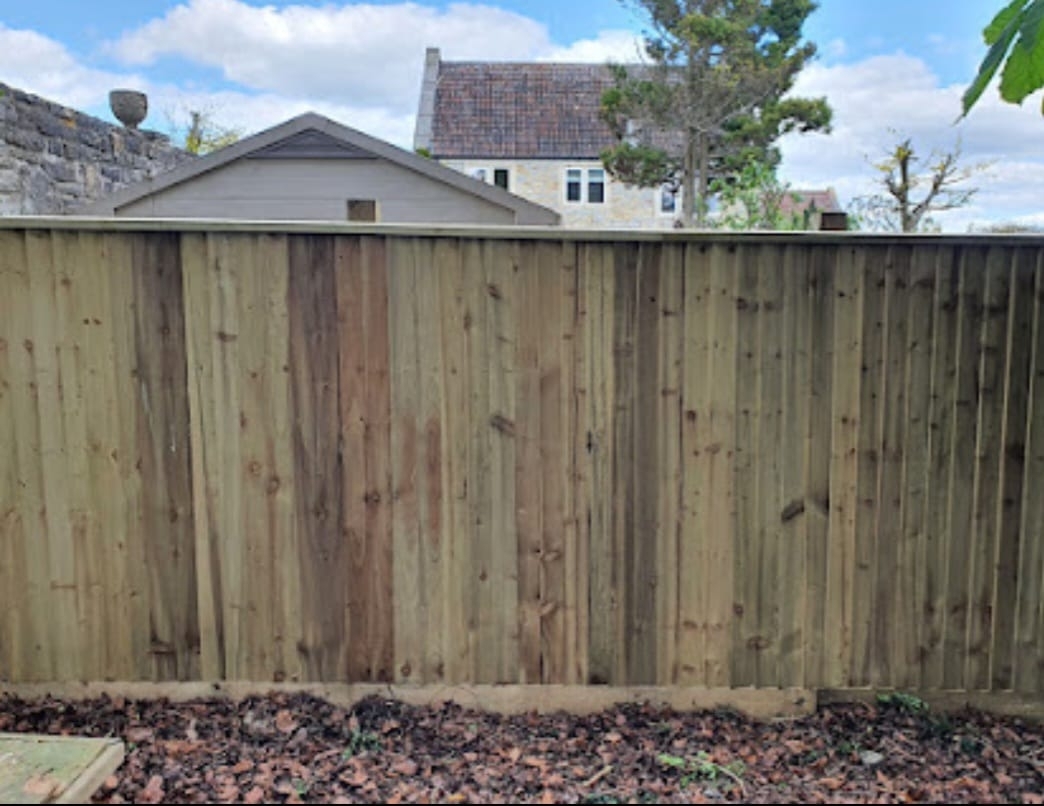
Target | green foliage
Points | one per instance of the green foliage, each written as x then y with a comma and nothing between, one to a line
199,133
907,703
423,152
712,100
754,198
1015,37
361,741
702,768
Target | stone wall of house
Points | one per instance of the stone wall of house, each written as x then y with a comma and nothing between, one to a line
54,159
544,182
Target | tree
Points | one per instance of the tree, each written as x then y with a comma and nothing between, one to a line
754,200
712,97
897,210
201,134
1015,37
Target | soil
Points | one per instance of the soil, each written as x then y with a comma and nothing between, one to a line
297,748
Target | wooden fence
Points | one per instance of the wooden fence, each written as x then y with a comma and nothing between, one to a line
336,455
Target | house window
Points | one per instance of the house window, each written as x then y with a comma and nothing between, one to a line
592,192
362,210
500,177
668,200
574,179
595,186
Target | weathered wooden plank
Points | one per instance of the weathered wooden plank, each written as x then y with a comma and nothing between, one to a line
436,541
1009,572
718,430
581,459
819,438
574,563
670,298
625,283
528,471
316,343
412,638
162,421
769,467
989,457
1029,623
460,625
846,374
488,633
694,538
501,300
793,517
873,389
29,654
890,575
962,466
552,463
745,632
605,626
380,622
11,571
909,640
268,546
942,385
646,482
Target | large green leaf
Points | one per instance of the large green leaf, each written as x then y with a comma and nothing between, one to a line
1018,28
1004,17
994,57
1024,71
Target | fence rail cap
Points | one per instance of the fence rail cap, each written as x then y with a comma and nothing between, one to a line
499,232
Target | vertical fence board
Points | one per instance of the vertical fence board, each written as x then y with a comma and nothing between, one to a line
846,381
959,532
1029,627
910,639
945,306
818,433
670,299
793,476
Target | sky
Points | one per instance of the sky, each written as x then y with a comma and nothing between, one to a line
891,69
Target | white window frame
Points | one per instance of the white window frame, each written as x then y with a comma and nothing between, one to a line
585,185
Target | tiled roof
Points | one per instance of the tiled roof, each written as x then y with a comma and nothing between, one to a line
825,201
519,110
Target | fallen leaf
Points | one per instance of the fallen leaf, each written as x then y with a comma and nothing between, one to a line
44,786
255,795
153,791
285,722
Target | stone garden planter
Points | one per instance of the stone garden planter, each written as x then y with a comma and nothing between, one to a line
129,107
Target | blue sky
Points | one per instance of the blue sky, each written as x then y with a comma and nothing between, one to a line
885,65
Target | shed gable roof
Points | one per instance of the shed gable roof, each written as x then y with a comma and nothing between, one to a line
519,110
310,136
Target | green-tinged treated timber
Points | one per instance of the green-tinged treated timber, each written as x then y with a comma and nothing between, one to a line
505,699
425,456
55,769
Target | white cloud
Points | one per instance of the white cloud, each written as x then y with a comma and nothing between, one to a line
357,54
42,66
616,46
877,100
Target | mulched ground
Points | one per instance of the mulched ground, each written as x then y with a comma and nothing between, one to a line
296,748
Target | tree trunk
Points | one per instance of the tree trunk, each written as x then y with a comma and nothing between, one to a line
704,170
688,188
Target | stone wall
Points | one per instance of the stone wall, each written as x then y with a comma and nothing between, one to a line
54,159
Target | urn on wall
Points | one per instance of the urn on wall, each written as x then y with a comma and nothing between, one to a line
129,107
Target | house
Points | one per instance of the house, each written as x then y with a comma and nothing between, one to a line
808,206
533,129
312,168
536,129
